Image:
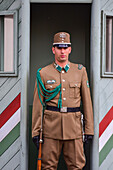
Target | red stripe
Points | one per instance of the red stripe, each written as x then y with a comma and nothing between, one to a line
10,110
105,121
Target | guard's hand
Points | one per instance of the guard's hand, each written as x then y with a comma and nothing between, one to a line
88,138
36,141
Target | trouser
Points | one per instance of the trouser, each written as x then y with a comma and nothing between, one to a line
72,150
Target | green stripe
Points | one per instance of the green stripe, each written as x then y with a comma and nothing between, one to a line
106,149
9,139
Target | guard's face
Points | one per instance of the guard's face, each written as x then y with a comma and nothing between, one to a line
61,54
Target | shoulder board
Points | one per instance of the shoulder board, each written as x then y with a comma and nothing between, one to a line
80,66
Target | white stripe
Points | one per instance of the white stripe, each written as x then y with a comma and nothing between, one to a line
9,125
61,43
105,136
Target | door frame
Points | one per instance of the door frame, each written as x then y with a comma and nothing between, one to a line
94,74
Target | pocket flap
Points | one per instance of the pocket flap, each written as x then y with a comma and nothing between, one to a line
51,86
75,84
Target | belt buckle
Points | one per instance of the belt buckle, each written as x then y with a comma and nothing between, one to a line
63,109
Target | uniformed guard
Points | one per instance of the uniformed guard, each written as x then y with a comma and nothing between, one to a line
60,87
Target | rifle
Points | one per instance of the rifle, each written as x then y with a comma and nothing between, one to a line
40,143
40,151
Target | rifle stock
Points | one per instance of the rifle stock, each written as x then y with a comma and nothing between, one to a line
40,152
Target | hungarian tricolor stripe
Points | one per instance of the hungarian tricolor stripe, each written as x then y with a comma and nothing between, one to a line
106,136
10,124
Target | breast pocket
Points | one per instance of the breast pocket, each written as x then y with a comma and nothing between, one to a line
52,87
74,90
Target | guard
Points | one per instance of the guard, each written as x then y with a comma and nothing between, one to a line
59,88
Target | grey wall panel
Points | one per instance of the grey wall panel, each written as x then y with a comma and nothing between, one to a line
5,4
9,84
10,152
13,163
2,81
107,4
15,5
103,84
103,3
106,93
109,164
105,96
17,168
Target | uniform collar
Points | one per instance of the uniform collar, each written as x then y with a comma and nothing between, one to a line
59,68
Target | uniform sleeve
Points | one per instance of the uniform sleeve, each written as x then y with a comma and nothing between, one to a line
36,112
87,104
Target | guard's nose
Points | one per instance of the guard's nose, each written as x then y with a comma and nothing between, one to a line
62,50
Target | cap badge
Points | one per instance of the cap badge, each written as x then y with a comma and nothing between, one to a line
63,36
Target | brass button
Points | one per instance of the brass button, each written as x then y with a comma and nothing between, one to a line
64,98
63,80
62,71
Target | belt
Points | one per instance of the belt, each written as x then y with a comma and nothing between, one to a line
63,109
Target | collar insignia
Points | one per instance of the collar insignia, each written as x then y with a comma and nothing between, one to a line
66,68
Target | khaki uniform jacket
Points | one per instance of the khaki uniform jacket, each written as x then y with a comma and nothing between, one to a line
75,86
